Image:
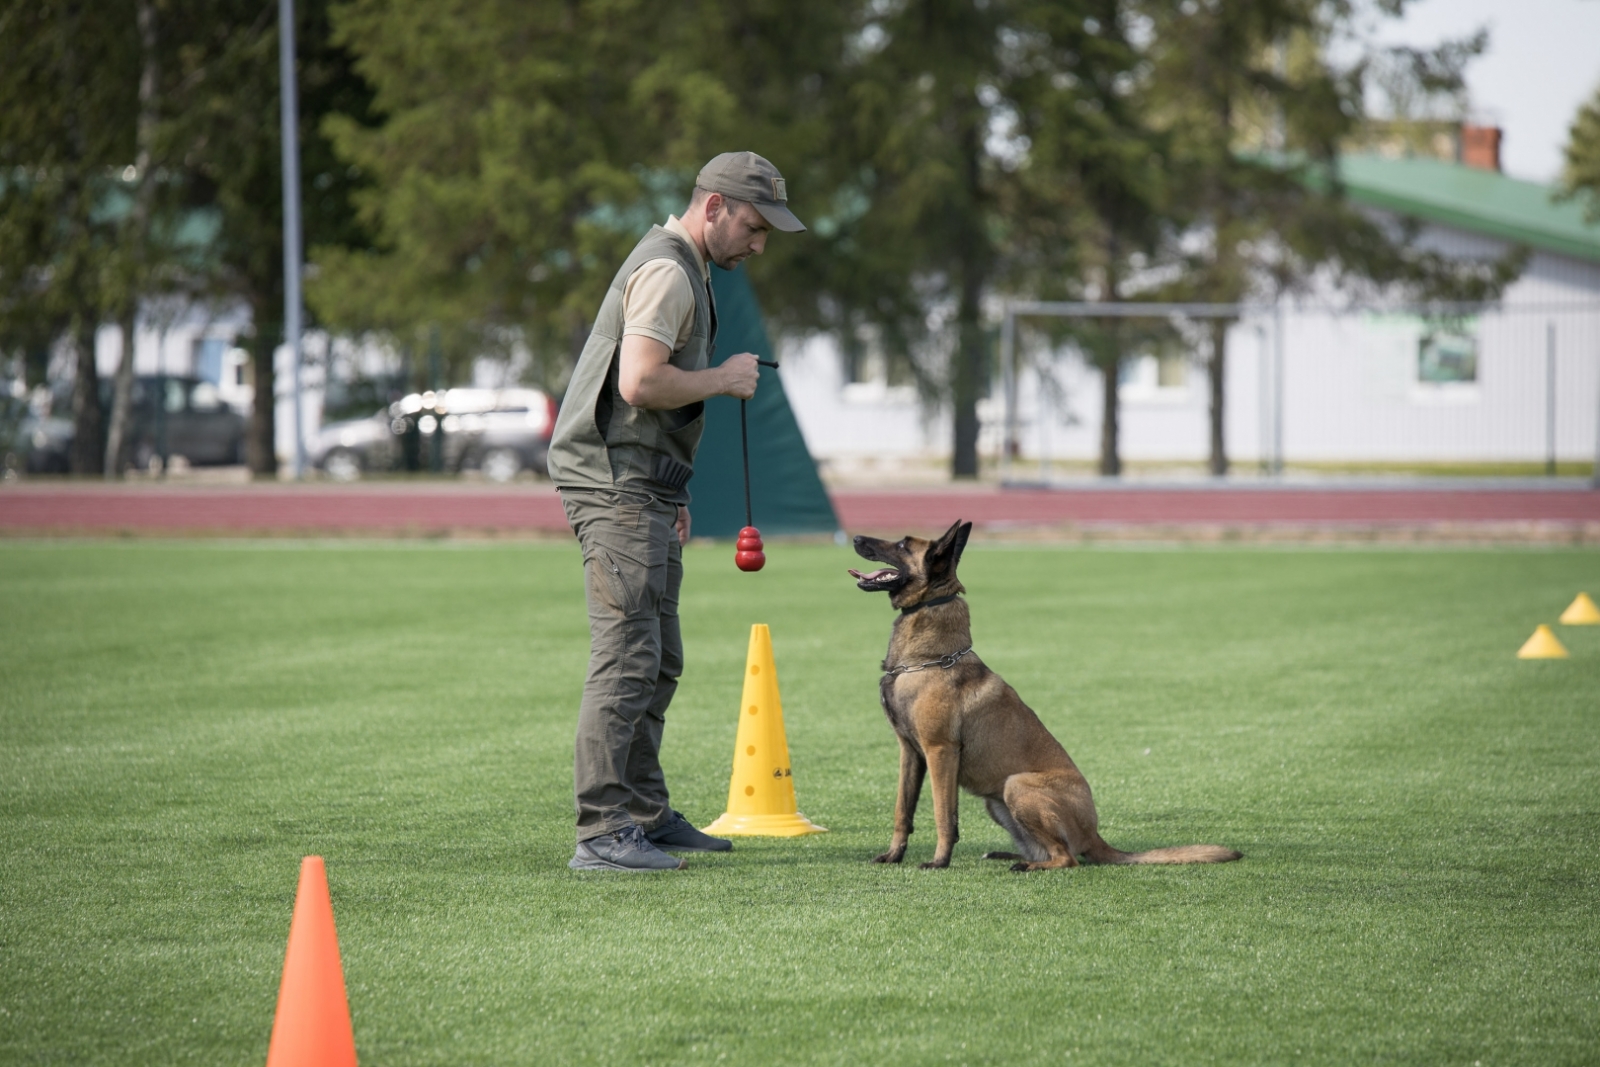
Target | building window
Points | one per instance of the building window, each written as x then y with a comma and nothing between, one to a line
1447,356
208,358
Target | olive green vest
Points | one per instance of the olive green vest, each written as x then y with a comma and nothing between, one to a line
601,441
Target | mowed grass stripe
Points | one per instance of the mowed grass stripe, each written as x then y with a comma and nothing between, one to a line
182,722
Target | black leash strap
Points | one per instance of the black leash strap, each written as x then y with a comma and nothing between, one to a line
744,444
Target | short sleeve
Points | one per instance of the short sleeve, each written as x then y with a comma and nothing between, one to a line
658,303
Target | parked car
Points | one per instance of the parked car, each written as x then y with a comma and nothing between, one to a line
168,416
499,432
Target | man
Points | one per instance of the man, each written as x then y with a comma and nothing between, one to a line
622,455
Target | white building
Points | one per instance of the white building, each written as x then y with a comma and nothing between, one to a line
1515,385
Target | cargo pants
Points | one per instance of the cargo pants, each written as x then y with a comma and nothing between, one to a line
633,569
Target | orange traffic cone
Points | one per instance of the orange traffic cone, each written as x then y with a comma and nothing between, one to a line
312,1027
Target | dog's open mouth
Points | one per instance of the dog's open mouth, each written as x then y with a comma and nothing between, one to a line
879,579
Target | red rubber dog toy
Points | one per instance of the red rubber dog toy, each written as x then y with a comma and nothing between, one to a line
748,554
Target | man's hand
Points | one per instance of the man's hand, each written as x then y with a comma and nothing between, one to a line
646,380
683,525
741,374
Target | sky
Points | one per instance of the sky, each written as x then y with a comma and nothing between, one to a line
1543,61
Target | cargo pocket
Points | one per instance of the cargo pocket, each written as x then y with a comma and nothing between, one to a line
608,585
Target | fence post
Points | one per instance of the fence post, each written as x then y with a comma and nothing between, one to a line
1008,373
1277,387
1594,474
1550,399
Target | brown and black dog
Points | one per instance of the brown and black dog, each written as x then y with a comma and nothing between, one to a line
961,724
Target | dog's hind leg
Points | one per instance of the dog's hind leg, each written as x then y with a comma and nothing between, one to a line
1027,847
1042,806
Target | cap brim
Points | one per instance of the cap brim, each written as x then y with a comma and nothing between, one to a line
779,217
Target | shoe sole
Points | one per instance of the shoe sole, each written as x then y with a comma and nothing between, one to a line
689,848
597,864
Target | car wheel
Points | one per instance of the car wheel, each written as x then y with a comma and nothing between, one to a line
342,465
500,464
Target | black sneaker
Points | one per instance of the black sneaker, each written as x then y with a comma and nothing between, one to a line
677,835
624,850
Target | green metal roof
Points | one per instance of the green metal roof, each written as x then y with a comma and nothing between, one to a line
1479,201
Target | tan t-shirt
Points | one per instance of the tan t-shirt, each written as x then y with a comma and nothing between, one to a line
657,301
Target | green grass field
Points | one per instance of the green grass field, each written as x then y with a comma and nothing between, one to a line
1419,811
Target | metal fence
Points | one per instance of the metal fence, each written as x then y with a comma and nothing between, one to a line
1487,390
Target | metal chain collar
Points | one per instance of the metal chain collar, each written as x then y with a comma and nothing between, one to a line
943,663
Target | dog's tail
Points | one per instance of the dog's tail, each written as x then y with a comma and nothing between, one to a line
1100,852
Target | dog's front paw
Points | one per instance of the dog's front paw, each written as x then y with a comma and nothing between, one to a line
936,864
892,856
1022,868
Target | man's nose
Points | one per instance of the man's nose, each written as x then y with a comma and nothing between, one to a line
759,244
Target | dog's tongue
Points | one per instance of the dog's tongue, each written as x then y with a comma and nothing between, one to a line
875,576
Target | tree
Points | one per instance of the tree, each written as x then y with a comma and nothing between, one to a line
67,127
524,147
1257,109
933,146
134,238
1581,176
981,148
225,134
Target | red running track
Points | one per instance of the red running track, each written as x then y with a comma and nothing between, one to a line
402,509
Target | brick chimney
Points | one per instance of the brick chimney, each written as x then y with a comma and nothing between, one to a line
1480,146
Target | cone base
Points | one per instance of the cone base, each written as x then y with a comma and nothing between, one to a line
1581,612
1542,645
793,824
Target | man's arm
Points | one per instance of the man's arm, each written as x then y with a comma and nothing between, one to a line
646,380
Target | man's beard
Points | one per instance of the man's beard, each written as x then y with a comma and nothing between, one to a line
721,247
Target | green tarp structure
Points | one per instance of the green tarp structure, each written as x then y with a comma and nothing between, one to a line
786,493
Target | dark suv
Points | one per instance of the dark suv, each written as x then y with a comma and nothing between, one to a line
168,416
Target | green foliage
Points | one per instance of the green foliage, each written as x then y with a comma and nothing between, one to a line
525,147
67,75
211,181
182,723
1581,177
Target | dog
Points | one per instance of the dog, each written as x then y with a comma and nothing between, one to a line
960,723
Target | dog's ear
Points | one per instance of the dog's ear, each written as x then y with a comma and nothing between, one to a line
946,551
962,534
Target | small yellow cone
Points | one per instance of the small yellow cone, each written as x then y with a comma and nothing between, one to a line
761,794
1581,612
1542,645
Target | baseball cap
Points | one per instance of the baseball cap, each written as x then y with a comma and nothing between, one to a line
746,176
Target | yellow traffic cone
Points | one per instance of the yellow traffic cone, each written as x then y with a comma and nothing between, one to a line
1542,645
1581,612
761,795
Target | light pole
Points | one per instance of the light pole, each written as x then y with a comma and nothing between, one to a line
290,111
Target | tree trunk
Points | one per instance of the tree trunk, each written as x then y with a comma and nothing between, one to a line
88,422
1110,414
969,373
261,444
116,457
966,385
1216,368
134,235
1111,370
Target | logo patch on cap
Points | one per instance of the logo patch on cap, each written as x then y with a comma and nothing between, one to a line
780,190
